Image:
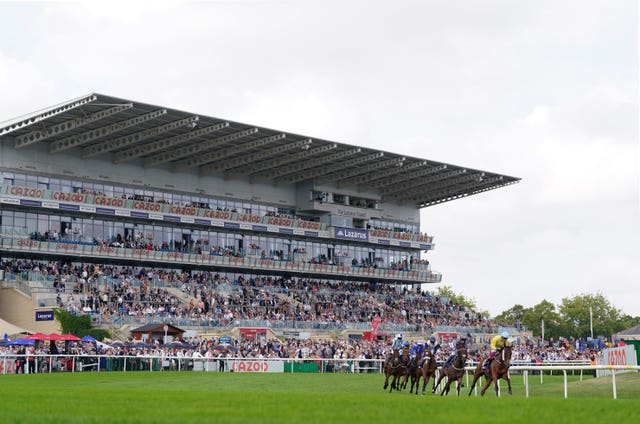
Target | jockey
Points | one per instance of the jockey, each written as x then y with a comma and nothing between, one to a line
497,343
433,347
416,349
397,342
459,345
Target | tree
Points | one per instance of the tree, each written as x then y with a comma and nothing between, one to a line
447,291
512,315
543,311
575,313
78,325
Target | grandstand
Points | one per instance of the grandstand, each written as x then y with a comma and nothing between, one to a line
139,214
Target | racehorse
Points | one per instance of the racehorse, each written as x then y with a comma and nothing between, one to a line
453,372
397,368
499,368
415,372
392,361
428,369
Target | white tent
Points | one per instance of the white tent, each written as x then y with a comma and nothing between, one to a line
10,329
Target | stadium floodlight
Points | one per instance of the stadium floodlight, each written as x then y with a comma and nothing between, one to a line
54,130
256,157
229,151
196,148
156,146
291,169
130,139
256,169
89,136
328,169
7,127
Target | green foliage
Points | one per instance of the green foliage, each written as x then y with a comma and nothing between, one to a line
571,318
78,325
576,313
447,291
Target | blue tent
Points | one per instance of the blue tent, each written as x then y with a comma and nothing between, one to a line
21,342
88,339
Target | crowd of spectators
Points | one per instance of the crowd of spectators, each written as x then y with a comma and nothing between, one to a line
109,291
344,353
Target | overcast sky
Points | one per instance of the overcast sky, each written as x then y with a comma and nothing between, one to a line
542,90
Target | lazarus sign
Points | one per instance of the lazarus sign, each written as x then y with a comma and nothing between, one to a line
351,233
256,366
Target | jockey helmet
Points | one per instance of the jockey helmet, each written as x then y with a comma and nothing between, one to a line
505,335
399,336
407,343
420,342
432,339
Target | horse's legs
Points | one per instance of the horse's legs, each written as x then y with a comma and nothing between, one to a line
436,384
459,385
425,381
486,386
476,376
506,377
495,383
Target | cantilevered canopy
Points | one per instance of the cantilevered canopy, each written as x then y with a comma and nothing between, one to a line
154,136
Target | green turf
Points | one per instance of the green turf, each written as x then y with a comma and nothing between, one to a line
190,397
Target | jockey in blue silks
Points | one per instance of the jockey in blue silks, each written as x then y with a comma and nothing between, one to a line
459,345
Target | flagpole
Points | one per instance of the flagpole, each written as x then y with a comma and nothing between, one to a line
591,321
542,328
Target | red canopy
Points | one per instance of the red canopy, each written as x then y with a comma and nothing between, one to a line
37,336
53,336
70,337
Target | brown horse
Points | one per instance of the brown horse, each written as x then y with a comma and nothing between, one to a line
392,361
453,372
498,368
428,369
415,372
397,368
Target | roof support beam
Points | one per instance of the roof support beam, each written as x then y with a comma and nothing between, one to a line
89,136
367,169
136,152
422,189
401,167
408,176
286,170
406,186
465,190
427,203
229,151
238,162
130,139
169,156
323,170
255,169
56,110
54,130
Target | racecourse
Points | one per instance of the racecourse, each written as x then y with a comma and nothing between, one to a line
202,397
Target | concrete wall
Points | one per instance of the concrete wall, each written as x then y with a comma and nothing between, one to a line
20,309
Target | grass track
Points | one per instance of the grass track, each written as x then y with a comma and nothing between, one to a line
294,398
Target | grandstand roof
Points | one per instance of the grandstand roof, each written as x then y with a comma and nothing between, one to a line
154,136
